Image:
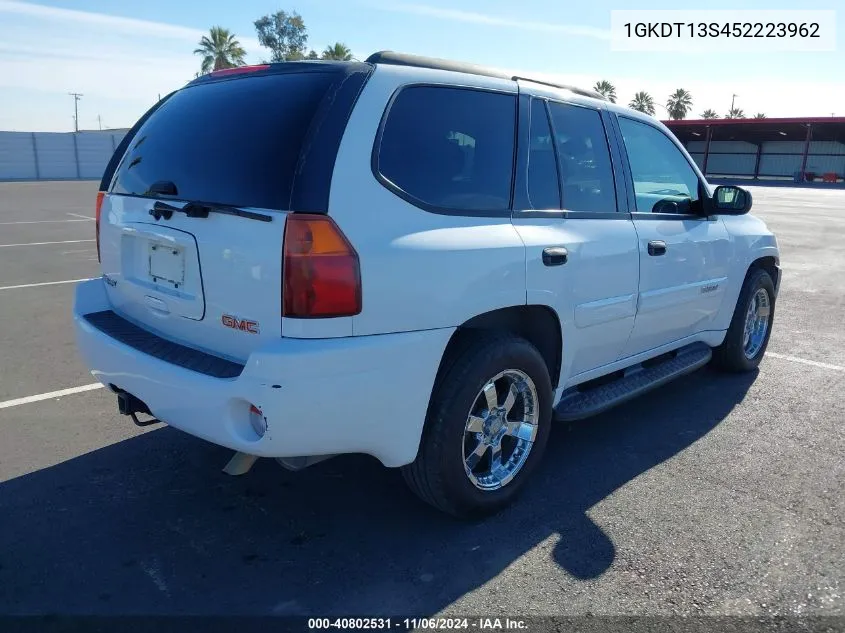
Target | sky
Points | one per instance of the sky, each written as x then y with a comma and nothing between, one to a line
122,55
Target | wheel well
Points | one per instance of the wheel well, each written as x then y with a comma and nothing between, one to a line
769,264
539,325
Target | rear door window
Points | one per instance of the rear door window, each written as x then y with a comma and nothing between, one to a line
584,159
231,142
449,149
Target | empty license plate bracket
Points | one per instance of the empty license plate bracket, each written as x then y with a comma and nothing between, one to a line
166,265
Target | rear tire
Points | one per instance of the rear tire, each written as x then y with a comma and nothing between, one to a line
470,422
751,325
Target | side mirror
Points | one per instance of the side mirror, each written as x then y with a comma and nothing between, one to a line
731,199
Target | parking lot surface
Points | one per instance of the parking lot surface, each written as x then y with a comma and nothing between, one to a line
719,495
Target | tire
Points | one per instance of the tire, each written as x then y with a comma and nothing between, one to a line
438,475
731,355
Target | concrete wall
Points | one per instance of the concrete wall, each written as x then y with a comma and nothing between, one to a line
56,155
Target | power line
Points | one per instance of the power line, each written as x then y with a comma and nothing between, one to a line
76,97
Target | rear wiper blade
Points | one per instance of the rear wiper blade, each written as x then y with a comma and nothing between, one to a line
202,209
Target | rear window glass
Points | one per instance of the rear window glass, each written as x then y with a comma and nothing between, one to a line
450,148
231,142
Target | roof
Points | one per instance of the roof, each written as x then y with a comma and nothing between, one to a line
419,61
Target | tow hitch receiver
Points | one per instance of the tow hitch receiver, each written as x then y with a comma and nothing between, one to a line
129,405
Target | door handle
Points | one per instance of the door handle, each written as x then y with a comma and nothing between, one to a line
555,256
657,248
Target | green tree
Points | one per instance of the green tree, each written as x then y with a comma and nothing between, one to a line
338,52
735,113
220,49
678,104
759,115
606,89
709,114
312,54
284,34
642,102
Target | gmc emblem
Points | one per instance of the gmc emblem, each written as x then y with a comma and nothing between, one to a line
236,324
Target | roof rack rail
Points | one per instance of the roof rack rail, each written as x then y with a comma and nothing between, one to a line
579,91
419,61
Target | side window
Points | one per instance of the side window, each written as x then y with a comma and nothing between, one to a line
584,158
543,184
450,148
664,182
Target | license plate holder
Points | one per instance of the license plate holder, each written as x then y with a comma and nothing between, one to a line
166,264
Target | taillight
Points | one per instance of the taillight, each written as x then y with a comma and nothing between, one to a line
100,195
322,276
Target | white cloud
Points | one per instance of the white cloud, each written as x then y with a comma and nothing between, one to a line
120,64
112,23
456,15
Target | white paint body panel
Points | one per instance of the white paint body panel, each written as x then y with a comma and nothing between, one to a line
594,293
233,267
342,395
420,270
681,292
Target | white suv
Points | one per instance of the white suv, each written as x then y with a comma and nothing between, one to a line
415,259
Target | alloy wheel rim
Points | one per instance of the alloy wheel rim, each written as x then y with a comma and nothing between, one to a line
500,430
756,323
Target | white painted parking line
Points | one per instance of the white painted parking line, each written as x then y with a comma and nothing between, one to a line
84,217
44,221
52,394
46,283
44,243
805,361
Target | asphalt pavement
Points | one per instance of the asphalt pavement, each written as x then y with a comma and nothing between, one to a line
716,495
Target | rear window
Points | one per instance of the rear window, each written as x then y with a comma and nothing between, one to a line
231,142
450,149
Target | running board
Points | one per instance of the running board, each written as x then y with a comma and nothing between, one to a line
585,400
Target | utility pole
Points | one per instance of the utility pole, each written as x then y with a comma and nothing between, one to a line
100,122
732,102
76,97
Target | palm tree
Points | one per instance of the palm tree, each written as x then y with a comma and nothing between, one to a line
735,113
643,102
709,114
678,104
759,115
339,52
606,89
220,49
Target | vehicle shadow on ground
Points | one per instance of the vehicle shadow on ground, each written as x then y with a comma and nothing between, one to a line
151,526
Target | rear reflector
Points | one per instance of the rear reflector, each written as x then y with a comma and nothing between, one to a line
100,196
322,276
239,70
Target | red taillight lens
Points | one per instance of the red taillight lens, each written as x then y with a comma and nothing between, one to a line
100,195
322,276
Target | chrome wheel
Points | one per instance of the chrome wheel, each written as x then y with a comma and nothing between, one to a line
756,323
500,429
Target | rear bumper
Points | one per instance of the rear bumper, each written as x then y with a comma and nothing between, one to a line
365,394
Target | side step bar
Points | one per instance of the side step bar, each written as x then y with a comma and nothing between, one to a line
584,401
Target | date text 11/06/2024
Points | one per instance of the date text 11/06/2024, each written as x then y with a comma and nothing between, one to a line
408,624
